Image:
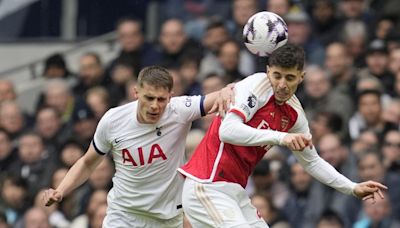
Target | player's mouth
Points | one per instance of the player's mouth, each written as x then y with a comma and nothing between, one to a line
152,115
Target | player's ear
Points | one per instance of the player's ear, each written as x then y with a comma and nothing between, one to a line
302,75
136,90
267,69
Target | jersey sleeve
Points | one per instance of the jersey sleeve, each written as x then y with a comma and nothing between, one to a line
101,140
189,107
247,98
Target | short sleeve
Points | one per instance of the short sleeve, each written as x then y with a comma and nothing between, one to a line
189,107
101,141
247,96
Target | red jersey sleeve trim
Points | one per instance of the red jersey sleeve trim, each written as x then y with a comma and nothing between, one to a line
239,113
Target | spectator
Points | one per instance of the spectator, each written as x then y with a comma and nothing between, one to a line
391,113
367,140
3,220
333,151
35,163
121,73
84,123
35,217
134,48
229,56
11,119
98,100
55,67
7,91
301,209
368,115
174,43
97,199
242,10
325,123
268,211
319,96
50,127
391,151
71,151
13,200
330,219
377,64
394,61
378,214
91,74
300,33
355,37
192,140
8,154
211,83
370,167
339,64
58,95
280,7
266,183
215,35
189,69
326,25
56,217
101,178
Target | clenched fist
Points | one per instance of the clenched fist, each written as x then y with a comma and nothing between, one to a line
51,196
297,141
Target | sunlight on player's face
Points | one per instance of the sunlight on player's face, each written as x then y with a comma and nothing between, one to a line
152,102
284,81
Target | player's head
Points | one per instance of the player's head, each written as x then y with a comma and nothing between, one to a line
285,71
153,90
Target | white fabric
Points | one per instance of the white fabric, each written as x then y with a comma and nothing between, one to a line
146,181
120,219
251,94
234,131
219,204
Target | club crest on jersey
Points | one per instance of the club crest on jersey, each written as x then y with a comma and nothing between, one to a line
188,102
251,101
284,123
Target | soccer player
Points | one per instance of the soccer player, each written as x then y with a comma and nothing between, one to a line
147,142
266,113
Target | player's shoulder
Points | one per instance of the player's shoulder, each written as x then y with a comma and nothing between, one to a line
258,85
120,112
294,102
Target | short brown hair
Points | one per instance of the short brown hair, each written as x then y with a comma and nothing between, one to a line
155,76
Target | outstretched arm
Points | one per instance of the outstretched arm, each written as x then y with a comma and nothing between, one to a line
325,173
77,175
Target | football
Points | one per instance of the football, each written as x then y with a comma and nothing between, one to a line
264,32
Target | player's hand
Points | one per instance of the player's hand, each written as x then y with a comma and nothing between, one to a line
297,141
51,196
225,99
369,191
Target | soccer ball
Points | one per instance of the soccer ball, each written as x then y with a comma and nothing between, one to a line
265,32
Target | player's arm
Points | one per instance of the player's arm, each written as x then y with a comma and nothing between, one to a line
219,100
77,175
234,131
325,173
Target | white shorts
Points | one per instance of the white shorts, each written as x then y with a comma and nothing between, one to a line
120,219
219,204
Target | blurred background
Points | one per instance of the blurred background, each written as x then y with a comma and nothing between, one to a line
64,63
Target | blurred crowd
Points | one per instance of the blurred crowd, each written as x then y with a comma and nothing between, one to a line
351,95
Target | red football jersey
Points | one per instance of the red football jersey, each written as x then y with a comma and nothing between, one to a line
214,160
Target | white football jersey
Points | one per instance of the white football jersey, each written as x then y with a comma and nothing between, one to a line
146,156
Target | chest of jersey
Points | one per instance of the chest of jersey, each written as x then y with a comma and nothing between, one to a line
275,117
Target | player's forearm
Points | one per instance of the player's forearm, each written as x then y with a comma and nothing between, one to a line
76,176
234,131
80,171
323,171
209,100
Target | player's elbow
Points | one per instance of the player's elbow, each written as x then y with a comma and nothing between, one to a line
225,133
